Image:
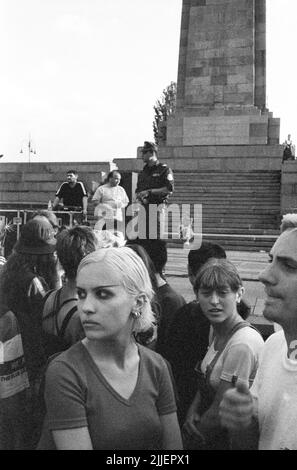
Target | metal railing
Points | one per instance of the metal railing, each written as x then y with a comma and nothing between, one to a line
18,217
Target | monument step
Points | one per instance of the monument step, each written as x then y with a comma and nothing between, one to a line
202,185
227,182
221,211
232,220
230,187
252,207
221,179
222,176
226,192
218,206
226,185
231,242
224,197
221,207
238,230
239,198
225,226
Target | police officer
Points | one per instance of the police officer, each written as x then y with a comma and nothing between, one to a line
155,182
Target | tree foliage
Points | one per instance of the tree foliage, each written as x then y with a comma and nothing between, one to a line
164,107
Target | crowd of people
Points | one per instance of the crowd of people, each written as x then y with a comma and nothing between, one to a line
98,351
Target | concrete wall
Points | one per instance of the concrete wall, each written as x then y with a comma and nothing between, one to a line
226,158
38,182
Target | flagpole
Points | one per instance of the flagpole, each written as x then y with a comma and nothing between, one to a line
29,149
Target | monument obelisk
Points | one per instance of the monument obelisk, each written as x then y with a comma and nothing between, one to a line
222,142
221,86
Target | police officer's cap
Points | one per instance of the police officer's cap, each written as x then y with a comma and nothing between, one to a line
149,147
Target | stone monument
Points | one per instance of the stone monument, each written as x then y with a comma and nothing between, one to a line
221,86
222,142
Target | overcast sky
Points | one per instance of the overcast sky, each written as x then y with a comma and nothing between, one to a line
81,76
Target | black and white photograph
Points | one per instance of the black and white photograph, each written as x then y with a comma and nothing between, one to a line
148,228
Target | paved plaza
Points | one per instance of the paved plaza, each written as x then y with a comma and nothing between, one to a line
249,265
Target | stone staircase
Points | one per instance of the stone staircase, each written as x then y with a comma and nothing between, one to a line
239,210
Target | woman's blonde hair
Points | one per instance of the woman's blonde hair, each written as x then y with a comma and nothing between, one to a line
289,221
135,278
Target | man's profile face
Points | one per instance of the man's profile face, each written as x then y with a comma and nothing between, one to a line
71,178
280,280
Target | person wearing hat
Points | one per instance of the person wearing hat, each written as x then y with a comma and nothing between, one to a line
30,271
50,216
155,182
11,234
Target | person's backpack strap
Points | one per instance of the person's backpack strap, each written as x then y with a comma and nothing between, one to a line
47,295
65,322
52,313
237,327
66,302
57,310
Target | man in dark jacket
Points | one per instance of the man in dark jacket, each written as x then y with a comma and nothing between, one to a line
155,185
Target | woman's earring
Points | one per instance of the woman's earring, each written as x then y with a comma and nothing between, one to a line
136,313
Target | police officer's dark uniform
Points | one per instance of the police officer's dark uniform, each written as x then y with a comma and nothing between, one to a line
155,176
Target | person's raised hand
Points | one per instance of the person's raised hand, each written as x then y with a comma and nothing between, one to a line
236,407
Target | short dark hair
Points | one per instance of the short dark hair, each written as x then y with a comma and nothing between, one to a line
73,245
157,251
111,173
216,274
197,258
72,171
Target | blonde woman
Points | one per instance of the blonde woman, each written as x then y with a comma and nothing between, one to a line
108,392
